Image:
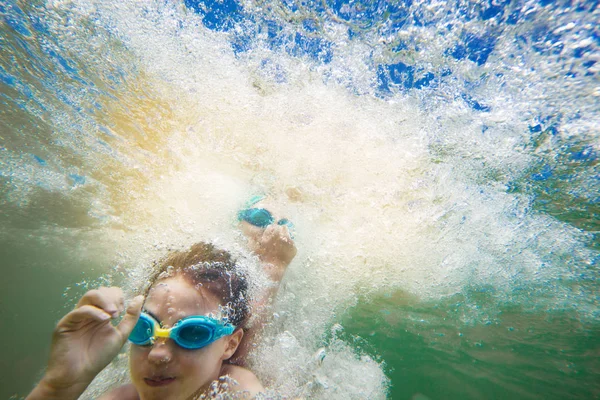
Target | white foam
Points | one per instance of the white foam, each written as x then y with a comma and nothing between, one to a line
402,194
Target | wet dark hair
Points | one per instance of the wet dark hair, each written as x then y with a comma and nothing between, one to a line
212,269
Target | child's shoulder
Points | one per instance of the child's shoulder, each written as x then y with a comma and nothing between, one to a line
125,392
246,380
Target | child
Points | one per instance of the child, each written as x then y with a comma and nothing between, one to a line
190,324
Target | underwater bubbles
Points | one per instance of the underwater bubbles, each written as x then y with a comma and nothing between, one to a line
438,161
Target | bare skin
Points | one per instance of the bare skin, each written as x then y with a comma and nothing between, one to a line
247,382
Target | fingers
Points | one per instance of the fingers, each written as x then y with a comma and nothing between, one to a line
108,299
250,231
269,233
81,315
276,235
87,313
131,316
285,233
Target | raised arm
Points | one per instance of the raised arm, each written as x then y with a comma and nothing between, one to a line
276,250
84,342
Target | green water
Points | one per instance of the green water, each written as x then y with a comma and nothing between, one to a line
506,353
35,278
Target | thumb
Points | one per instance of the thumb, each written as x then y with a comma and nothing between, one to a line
131,316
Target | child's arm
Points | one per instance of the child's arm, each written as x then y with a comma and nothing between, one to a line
84,342
125,392
276,250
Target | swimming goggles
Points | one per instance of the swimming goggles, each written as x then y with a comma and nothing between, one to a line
191,333
260,217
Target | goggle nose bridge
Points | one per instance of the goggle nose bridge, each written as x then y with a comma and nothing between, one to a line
161,332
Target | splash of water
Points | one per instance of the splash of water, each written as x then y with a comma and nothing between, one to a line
410,144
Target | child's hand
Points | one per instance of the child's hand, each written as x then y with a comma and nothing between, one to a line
276,246
276,250
84,340
272,244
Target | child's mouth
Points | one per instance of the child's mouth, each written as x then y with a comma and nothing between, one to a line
159,381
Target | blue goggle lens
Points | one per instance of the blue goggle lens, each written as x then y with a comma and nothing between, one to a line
193,336
256,216
143,331
263,218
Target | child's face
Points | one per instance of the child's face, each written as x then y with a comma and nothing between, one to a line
165,370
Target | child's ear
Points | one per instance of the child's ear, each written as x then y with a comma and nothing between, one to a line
233,341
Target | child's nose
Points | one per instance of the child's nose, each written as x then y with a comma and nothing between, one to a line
161,352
